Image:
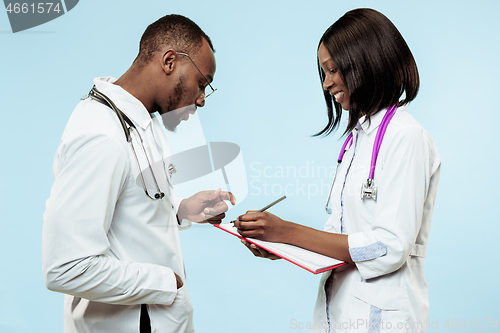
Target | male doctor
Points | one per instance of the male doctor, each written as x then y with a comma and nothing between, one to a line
111,225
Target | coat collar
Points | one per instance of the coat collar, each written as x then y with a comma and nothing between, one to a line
127,103
375,120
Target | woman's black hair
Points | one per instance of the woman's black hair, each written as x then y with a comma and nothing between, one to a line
375,62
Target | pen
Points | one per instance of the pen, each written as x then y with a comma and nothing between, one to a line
268,206
272,204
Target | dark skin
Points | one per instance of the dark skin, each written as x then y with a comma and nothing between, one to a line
268,227
154,85
155,81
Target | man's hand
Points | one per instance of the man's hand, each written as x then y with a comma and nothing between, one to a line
206,206
179,281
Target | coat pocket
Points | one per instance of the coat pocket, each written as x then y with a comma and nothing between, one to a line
378,309
176,317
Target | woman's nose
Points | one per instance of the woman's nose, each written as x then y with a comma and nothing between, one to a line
327,83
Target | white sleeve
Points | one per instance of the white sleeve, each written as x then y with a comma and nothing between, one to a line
90,171
184,224
402,185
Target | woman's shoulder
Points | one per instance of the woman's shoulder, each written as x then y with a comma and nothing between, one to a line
403,119
403,124
405,132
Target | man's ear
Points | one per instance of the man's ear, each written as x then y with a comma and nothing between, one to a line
168,61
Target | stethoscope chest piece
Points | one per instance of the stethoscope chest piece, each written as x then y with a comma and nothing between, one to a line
171,169
368,190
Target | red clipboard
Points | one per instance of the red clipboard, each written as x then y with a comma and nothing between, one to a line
275,248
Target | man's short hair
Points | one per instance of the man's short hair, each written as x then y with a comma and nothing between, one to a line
177,32
375,61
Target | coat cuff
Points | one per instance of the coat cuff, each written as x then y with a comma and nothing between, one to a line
184,223
364,254
372,251
168,296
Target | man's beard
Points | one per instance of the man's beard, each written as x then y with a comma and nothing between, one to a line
173,117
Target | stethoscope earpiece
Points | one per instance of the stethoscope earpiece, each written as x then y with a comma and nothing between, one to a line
159,196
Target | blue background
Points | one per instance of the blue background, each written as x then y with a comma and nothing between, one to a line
269,101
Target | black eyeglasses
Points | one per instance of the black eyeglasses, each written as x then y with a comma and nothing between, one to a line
208,83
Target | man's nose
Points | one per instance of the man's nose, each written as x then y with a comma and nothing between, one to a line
200,102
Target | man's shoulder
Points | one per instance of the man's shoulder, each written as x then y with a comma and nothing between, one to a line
92,126
90,118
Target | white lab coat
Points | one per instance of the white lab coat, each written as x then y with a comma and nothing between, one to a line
106,245
385,290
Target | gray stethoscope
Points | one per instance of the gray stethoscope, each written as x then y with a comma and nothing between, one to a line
367,190
98,96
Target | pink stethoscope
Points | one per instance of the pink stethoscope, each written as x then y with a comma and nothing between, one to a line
367,189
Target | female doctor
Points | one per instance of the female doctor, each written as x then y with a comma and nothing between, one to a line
383,195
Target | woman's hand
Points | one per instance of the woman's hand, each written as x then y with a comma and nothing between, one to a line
264,226
268,227
259,252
